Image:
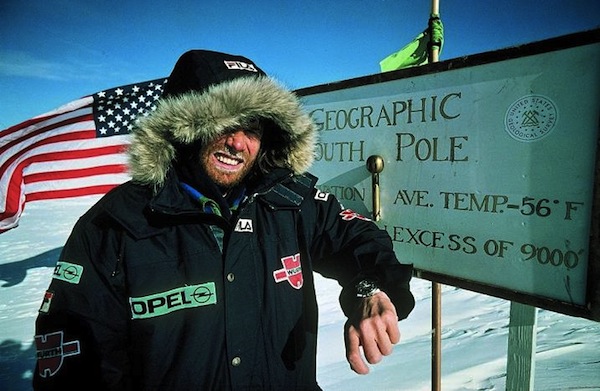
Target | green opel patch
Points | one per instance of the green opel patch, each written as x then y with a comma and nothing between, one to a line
176,299
68,272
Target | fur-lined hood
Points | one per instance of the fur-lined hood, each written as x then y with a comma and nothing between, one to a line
200,116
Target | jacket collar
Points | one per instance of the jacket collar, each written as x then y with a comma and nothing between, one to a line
144,212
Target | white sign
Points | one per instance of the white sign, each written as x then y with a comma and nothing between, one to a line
489,169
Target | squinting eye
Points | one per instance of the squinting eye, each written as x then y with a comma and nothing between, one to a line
254,125
255,131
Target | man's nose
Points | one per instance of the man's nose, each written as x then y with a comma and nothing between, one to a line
236,140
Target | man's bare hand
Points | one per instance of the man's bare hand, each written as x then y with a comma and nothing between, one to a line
374,326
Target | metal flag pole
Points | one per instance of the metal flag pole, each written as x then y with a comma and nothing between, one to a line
436,295
434,47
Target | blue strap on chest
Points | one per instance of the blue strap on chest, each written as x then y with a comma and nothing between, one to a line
209,205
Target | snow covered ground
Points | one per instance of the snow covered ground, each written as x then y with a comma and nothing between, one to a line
474,326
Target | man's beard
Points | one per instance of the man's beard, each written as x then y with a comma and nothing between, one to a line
215,162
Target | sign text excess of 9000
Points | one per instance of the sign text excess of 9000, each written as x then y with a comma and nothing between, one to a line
546,256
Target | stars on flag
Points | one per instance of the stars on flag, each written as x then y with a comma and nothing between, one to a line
116,110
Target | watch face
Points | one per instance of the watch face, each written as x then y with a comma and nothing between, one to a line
366,288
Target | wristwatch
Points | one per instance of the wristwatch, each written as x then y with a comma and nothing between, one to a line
366,288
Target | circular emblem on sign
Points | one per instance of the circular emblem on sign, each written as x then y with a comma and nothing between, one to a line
531,118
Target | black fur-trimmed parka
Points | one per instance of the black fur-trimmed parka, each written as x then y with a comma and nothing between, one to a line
153,291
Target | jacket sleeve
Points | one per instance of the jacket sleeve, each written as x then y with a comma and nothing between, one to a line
81,328
349,247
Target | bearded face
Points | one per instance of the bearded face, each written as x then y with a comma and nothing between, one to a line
229,158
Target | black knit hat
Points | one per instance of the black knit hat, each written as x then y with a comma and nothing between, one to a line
196,70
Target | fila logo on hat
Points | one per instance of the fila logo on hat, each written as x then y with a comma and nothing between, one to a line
240,66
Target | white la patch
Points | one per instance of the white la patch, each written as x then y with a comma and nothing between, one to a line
244,225
322,196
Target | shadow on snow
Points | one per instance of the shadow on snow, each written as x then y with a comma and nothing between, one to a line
14,273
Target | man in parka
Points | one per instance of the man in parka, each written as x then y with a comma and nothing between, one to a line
198,273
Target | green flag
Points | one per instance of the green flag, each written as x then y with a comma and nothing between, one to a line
416,52
413,54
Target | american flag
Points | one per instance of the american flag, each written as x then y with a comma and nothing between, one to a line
75,150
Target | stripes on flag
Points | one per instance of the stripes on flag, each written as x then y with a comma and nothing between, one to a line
75,150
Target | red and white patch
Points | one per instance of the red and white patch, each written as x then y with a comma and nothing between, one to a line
45,307
51,351
349,214
291,271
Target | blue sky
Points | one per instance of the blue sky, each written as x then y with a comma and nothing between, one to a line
52,52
